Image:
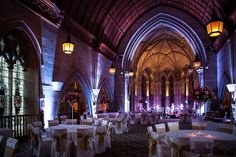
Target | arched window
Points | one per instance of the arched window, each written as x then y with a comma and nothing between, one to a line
11,76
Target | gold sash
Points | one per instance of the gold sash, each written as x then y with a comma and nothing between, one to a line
101,137
60,141
84,143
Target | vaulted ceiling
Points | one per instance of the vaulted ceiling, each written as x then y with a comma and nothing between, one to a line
110,20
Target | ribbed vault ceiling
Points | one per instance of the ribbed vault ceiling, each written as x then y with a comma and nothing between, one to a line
163,49
110,20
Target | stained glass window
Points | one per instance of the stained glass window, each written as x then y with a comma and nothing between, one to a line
11,77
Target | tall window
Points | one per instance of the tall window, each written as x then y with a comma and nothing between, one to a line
11,76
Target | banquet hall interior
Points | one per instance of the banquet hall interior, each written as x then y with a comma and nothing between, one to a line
117,78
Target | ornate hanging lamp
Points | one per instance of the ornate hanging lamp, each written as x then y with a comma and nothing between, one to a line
68,46
215,25
131,73
196,63
112,69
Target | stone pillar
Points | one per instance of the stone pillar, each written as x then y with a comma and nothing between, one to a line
147,94
127,101
200,77
137,94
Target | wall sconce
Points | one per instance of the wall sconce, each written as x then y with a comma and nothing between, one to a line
112,69
68,46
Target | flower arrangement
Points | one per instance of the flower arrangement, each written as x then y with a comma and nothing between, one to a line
105,100
202,95
70,98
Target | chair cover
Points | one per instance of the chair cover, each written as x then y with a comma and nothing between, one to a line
227,128
173,126
63,119
84,143
119,127
71,121
41,145
125,125
53,123
10,147
143,120
132,118
99,142
60,146
199,126
160,128
109,132
39,125
87,121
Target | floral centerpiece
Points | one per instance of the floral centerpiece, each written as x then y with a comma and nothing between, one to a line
105,100
202,95
104,104
70,98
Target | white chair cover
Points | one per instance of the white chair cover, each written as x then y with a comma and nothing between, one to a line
60,146
10,147
87,121
160,128
84,143
41,145
173,126
143,120
39,125
71,121
227,128
199,126
99,142
53,123
63,119
125,125
108,135
132,118
119,126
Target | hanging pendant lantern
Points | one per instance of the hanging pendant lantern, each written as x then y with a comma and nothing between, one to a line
215,26
112,69
131,73
68,46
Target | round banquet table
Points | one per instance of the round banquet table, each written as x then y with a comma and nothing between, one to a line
71,130
197,135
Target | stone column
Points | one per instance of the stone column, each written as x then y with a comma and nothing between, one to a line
147,94
200,77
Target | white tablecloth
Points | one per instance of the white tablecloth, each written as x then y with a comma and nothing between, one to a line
196,135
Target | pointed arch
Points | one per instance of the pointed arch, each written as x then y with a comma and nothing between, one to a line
104,83
85,87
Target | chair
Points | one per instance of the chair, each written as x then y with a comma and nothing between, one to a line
87,121
1,147
71,121
104,123
125,125
84,143
226,128
41,145
119,127
39,125
173,126
53,123
63,119
199,126
109,132
160,128
99,141
59,146
10,147
143,120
